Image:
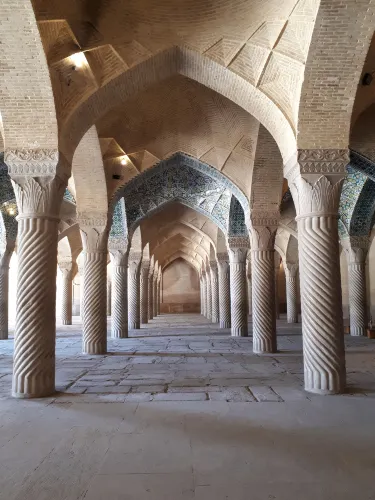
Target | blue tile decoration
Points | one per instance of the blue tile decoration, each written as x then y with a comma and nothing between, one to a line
237,224
357,202
7,201
118,228
69,197
187,180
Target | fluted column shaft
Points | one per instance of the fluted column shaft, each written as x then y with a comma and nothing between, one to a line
319,263
67,297
263,299
291,293
109,295
4,289
151,294
159,294
277,301
144,292
134,294
214,293
208,296
155,297
204,295
356,248
119,288
237,260
224,292
249,295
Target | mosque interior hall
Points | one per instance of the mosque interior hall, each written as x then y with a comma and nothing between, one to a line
187,251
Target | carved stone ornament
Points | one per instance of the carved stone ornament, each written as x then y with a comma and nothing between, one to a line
94,239
32,162
39,197
68,269
262,218
238,242
356,248
263,238
317,198
93,219
291,269
222,257
324,161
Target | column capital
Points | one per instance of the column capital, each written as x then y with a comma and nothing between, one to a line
356,248
266,218
118,250
291,269
68,269
94,231
312,163
145,266
263,237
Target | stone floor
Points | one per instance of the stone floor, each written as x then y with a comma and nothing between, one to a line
183,411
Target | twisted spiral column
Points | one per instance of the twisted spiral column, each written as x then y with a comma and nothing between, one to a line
67,296
214,293
277,301
4,292
109,295
249,295
159,295
237,259
204,295
34,343
291,298
322,323
151,295
208,296
224,293
357,299
263,298
155,297
134,295
144,293
94,305
119,324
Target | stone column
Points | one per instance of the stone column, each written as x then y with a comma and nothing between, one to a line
204,294
208,294
5,257
68,270
356,248
155,291
119,297
80,274
94,234
249,288
135,259
151,290
263,280
277,273
38,200
291,292
224,290
109,294
159,290
238,247
316,196
145,269
214,292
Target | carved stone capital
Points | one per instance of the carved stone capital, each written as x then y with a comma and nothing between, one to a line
263,237
356,249
237,255
68,269
119,256
94,238
40,197
33,162
291,269
6,251
318,197
235,242
213,265
145,267
135,256
264,218
93,219
222,257
323,161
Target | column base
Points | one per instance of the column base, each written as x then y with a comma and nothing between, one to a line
26,395
95,350
239,332
263,347
325,386
67,322
215,320
134,326
4,336
119,334
358,331
225,324
292,320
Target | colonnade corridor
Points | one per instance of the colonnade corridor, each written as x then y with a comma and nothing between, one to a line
183,410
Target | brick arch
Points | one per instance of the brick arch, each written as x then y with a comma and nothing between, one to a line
333,69
173,61
27,101
186,180
179,239
181,255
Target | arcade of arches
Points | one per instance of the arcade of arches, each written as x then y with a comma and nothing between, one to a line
187,184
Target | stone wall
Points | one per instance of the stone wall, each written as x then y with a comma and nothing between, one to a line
180,288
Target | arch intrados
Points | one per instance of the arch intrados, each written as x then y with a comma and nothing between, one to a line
174,257
188,225
174,228
173,61
169,241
